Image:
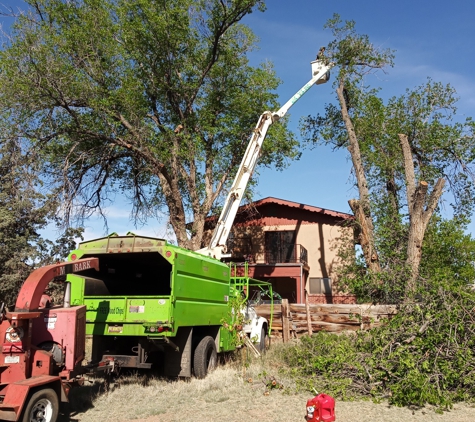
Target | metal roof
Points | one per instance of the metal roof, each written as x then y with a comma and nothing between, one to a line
311,208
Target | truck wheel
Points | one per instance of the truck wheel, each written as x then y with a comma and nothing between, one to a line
262,346
42,406
205,358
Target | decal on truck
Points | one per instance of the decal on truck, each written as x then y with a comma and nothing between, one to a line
105,310
136,309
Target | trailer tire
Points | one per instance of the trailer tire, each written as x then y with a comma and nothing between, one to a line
42,406
205,357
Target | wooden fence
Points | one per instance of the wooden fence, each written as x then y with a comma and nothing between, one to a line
292,320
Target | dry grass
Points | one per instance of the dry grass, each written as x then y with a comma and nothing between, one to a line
232,393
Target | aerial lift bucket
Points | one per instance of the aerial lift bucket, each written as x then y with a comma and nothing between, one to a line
317,66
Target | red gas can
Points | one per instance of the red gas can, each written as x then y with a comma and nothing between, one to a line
321,409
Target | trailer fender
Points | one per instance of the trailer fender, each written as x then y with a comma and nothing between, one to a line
16,394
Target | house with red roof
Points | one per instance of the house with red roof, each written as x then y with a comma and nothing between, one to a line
294,246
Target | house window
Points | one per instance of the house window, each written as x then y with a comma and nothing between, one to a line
280,247
239,246
320,286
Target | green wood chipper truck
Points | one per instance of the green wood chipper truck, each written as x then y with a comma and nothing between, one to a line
153,303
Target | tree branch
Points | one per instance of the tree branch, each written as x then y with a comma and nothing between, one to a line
409,170
433,201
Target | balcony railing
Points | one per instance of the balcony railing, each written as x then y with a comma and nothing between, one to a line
241,249
290,254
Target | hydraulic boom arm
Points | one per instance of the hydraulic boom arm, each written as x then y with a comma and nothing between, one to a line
217,245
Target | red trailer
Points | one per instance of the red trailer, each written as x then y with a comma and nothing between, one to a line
42,347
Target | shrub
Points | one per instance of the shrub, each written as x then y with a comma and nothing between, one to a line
423,355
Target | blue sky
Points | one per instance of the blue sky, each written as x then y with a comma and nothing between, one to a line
432,39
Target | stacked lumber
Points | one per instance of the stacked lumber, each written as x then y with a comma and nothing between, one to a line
337,318
328,317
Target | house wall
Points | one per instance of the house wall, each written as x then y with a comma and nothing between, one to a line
321,240
320,232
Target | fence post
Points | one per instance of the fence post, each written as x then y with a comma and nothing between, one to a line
285,320
309,315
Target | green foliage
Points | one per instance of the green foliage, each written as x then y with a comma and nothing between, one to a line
270,382
24,211
155,100
235,320
22,214
324,362
353,53
441,146
423,355
448,253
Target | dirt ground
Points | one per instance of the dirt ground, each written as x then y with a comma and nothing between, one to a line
226,395
290,409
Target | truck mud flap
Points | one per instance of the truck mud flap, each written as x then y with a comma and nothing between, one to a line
178,362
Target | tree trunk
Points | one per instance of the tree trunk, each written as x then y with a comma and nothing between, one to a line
421,209
362,209
415,237
176,210
366,233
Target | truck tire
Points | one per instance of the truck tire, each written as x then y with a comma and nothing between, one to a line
42,406
262,346
205,357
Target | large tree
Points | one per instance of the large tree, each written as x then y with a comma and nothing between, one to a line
21,216
403,152
152,99
25,209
